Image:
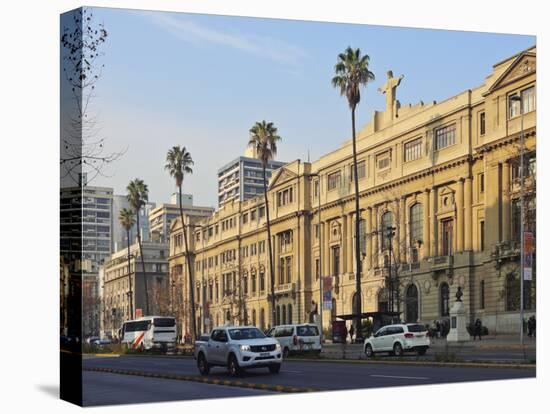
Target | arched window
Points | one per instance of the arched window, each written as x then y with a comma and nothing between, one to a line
253,283
289,312
284,315
254,317
411,303
245,283
444,299
512,292
387,221
278,315
228,316
415,230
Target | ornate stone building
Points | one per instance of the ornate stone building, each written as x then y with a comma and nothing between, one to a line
444,175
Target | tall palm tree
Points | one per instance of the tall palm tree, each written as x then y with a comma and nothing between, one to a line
178,163
127,221
264,138
138,195
351,73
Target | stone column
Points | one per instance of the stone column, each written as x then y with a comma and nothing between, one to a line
426,224
349,243
460,216
375,228
396,223
343,245
369,239
468,214
403,245
433,222
326,249
506,223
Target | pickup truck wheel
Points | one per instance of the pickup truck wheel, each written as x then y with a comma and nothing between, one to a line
233,366
368,351
203,366
274,369
397,349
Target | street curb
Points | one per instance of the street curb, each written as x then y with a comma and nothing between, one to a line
205,380
421,363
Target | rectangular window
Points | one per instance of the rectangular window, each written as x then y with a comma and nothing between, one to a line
383,161
481,182
245,218
288,269
361,170
317,268
482,235
482,123
252,215
335,261
514,106
261,211
528,99
445,136
316,189
282,271
333,180
413,150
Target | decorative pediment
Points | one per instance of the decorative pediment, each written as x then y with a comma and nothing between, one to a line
446,199
524,65
281,176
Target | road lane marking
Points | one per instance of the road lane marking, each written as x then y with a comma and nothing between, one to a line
398,376
292,372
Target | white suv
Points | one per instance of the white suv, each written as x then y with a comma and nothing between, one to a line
397,339
297,338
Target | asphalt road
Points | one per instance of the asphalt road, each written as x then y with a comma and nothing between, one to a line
107,388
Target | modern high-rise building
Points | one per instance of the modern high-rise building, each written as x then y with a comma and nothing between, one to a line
242,178
86,229
161,216
119,233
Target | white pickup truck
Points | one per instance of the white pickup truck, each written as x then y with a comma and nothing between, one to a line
238,348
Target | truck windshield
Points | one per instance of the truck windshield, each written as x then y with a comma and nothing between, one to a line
242,334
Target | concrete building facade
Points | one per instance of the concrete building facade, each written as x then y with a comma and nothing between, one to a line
85,241
242,178
444,175
115,287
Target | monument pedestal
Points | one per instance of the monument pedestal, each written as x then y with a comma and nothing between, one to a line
458,331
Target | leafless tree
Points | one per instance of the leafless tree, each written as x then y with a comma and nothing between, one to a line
83,144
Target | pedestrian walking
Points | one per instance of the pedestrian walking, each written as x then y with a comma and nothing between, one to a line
351,332
438,329
477,329
345,334
531,324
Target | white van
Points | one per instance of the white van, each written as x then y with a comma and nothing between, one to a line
298,338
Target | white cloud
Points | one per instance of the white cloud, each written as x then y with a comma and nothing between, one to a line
265,47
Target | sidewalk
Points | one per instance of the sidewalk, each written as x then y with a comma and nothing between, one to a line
500,343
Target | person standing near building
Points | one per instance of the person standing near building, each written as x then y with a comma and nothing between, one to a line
477,329
351,332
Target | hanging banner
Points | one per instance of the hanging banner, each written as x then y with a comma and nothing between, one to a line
327,292
527,255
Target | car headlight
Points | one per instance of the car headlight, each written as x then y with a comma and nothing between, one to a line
277,346
245,348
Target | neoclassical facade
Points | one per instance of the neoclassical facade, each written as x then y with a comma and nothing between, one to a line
444,176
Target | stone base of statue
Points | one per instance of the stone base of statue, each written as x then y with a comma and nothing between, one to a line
458,331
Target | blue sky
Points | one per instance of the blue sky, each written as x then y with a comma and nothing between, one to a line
202,81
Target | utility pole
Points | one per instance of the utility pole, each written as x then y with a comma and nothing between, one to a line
517,98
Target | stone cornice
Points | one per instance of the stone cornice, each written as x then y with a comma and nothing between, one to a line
490,146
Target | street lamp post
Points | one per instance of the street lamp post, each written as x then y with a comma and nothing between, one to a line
517,98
